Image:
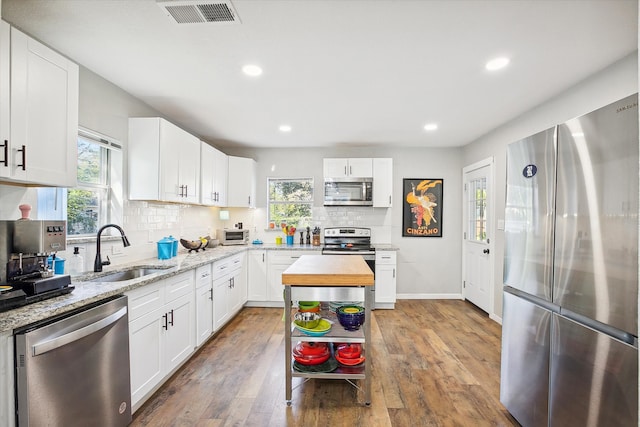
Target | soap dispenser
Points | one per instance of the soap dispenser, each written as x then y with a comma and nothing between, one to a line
76,263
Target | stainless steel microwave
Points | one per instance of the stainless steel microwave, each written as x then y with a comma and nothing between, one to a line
233,236
348,191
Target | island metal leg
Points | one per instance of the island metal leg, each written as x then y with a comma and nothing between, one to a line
368,296
287,343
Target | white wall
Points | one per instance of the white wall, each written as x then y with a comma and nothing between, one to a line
428,267
615,82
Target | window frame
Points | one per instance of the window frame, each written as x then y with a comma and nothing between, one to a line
271,202
106,185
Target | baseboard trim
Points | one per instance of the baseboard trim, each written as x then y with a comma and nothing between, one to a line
429,296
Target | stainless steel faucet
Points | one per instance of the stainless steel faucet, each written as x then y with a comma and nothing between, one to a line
98,263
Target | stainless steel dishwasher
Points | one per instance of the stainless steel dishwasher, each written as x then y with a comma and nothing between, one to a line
73,370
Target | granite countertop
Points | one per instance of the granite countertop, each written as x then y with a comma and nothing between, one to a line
87,292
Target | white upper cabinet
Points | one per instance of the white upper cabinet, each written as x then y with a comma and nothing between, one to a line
340,168
213,170
242,182
382,182
38,112
164,162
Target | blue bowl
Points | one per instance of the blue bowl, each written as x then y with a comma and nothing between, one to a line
351,317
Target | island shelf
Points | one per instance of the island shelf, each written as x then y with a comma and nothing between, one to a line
335,278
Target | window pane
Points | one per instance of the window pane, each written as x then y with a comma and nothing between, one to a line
91,161
281,190
477,210
83,210
290,201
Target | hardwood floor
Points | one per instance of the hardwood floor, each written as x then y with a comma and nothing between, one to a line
435,363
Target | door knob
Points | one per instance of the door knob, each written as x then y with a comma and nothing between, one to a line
485,251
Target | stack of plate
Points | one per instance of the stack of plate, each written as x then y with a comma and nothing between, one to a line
323,327
334,305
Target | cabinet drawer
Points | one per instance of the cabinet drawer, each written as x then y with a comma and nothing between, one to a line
221,268
203,276
145,299
385,257
287,257
235,262
179,285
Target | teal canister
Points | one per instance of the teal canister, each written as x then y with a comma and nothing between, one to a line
174,246
165,248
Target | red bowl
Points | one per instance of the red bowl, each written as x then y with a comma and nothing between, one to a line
349,351
310,348
350,362
312,361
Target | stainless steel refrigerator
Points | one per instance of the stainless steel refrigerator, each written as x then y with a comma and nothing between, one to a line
570,314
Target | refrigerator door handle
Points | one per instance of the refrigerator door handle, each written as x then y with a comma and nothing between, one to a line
618,334
554,308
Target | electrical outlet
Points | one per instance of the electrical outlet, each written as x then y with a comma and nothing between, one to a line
116,250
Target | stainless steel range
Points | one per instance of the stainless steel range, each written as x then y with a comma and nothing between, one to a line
350,241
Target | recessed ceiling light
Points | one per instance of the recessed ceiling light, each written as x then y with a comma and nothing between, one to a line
285,128
431,126
497,63
252,70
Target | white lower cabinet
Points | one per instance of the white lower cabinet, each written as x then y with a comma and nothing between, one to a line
204,304
257,276
229,288
161,332
385,279
279,261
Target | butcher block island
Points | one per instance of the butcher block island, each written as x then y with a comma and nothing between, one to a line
338,283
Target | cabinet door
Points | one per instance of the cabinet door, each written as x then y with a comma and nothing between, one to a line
241,183
207,174
146,353
180,331
220,301
335,168
189,168
275,282
257,276
204,313
44,114
220,183
170,138
385,279
5,99
382,183
204,304
360,168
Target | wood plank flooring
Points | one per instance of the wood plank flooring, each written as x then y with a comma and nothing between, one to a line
435,363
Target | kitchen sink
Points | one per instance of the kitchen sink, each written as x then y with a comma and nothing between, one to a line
133,273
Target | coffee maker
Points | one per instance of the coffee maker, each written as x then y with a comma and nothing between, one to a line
25,247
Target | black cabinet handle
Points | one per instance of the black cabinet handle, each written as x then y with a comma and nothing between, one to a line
6,153
211,294
171,322
23,150
485,251
166,323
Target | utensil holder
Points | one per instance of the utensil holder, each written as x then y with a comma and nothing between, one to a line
290,240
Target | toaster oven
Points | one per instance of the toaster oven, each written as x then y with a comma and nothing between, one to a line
233,236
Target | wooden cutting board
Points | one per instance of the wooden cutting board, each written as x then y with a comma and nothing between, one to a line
328,270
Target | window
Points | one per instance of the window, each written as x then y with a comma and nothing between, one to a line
478,210
290,201
88,205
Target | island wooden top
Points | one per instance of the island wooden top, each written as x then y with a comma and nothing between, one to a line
328,270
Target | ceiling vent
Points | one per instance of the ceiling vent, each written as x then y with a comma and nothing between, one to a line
197,12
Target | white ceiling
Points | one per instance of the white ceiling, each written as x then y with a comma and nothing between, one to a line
341,73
